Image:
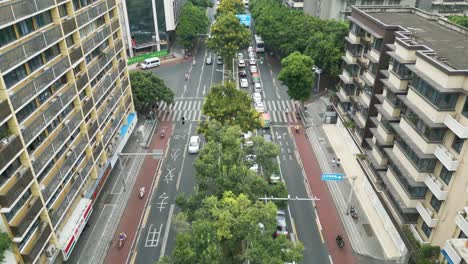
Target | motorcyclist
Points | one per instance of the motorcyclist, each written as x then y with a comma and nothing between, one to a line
122,238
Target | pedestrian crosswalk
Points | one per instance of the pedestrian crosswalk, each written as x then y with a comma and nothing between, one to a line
281,111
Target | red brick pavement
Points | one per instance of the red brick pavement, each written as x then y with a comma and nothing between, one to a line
331,223
135,207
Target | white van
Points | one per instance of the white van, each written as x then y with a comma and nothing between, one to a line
150,63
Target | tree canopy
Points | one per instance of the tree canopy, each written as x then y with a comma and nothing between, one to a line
147,90
228,36
193,21
230,106
287,30
460,20
5,244
230,6
297,75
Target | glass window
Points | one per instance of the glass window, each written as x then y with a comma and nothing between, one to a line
8,172
426,229
26,111
35,63
25,27
446,175
428,133
373,68
70,41
51,52
43,19
438,100
401,70
15,76
462,235
420,164
457,144
7,35
63,10
45,95
377,44
435,203
465,108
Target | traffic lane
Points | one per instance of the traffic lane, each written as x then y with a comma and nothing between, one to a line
302,212
174,75
195,71
205,77
274,66
154,234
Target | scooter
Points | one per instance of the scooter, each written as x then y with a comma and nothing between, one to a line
194,62
163,133
340,241
142,192
353,213
122,238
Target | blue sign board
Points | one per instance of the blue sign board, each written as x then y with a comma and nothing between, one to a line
244,19
332,176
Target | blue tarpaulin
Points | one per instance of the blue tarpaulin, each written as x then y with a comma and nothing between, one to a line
244,19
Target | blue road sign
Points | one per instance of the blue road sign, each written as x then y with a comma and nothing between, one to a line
332,176
244,19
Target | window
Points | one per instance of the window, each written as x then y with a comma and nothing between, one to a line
26,111
373,68
401,70
63,10
377,44
415,192
25,27
45,95
8,172
7,35
394,2
428,133
70,41
426,229
464,110
438,100
51,53
35,63
59,83
37,142
15,76
427,165
43,19
462,235
445,175
457,144
435,203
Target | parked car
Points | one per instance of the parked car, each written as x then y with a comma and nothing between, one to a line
253,62
251,159
248,139
241,63
281,227
274,178
250,49
251,55
219,60
253,69
244,83
208,60
259,107
257,97
257,87
194,145
255,77
243,73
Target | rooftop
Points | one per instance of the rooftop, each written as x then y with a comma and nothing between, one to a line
450,42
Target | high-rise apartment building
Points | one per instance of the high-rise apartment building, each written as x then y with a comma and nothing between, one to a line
444,7
404,86
65,110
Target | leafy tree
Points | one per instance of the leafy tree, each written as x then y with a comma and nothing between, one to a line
460,20
230,106
202,3
230,6
227,231
147,90
297,75
193,21
228,36
5,244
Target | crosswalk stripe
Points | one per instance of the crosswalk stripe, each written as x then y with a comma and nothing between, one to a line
283,105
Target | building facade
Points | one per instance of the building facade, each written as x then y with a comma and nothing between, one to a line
65,110
149,25
445,7
403,95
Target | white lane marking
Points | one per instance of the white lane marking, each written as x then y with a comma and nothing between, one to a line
201,74
166,232
153,241
183,159
331,260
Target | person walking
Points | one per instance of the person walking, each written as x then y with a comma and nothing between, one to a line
333,161
338,162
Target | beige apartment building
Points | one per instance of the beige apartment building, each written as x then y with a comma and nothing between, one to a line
403,94
65,111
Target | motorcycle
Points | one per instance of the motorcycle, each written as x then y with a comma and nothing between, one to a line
194,62
353,213
142,192
339,241
297,130
122,238
163,133
186,76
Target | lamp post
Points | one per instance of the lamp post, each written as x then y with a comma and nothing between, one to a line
318,71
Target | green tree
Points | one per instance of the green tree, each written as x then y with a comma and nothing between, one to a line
202,3
297,75
230,106
147,90
5,244
228,36
230,6
193,21
460,20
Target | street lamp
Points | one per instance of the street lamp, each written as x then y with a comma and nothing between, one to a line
318,71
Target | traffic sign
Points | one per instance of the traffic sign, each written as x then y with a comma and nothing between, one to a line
332,176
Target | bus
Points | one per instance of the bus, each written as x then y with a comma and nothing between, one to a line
265,120
259,45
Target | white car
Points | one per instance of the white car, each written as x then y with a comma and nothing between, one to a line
244,83
274,178
250,49
251,160
253,69
252,55
281,227
259,107
258,87
252,62
241,63
257,97
194,145
248,139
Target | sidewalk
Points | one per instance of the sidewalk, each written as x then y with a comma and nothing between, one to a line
131,218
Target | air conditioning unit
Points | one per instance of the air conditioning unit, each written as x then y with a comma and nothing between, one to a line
69,153
58,95
4,141
75,176
86,99
33,159
50,250
113,118
67,122
53,100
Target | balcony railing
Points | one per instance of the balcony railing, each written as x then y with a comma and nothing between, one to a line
69,25
118,46
68,199
452,122
96,39
427,215
23,179
81,82
20,53
19,9
5,110
91,14
92,129
115,25
462,220
97,151
9,147
88,105
41,242
34,207
101,63
121,65
75,55
446,157
47,77
455,251
110,3
436,187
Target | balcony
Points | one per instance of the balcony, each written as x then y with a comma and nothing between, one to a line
5,110
81,82
97,150
115,25
92,129
455,251
118,46
75,55
427,215
34,207
462,220
87,106
96,39
446,157
110,3
9,148
91,13
436,187
40,243
69,25
416,234
453,123
22,181
19,9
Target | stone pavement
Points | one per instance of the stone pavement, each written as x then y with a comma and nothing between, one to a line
366,236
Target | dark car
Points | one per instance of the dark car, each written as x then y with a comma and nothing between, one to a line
219,60
243,73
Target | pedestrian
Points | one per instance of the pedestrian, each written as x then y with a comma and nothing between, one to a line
183,120
338,162
333,161
287,109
